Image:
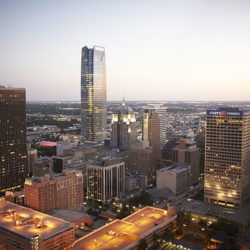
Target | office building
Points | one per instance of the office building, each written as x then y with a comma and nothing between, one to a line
14,196
141,161
187,152
13,149
93,94
135,182
123,128
128,233
32,157
106,180
151,132
162,112
23,228
61,146
43,166
174,177
227,157
46,193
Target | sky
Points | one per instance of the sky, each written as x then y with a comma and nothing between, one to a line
170,50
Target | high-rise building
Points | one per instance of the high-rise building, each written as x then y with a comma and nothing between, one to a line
124,131
23,228
141,161
93,94
151,131
162,112
13,149
32,156
106,181
227,157
188,153
46,193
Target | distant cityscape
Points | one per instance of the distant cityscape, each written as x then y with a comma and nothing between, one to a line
100,174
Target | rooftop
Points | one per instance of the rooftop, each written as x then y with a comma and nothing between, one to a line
240,216
176,167
29,223
123,234
68,215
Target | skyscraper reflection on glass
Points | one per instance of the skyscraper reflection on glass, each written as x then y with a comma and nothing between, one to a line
93,94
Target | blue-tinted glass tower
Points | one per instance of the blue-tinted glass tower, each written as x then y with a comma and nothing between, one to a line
93,94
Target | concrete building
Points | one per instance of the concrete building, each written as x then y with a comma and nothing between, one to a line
141,161
26,229
43,166
175,178
61,146
93,94
14,196
128,232
227,161
187,152
46,193
135,182
162,112
106,180
32,157
151,132
13,149
124,131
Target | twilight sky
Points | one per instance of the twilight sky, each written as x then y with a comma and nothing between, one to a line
155,49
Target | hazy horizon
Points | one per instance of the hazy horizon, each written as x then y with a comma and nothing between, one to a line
163,50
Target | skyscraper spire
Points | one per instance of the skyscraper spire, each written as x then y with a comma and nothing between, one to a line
123,102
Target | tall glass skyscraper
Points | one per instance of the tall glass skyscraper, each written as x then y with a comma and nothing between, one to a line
93,94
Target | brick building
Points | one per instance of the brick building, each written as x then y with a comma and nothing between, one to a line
60,191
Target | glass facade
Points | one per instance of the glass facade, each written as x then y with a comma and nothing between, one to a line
93,94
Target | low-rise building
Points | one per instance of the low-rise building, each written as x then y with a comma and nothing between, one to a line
79,219
14,196
135,182
128,232
175,177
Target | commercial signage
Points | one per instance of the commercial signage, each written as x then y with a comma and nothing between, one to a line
233,113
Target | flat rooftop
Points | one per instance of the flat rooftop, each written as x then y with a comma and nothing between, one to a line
238,215
29,223
68,215
123,234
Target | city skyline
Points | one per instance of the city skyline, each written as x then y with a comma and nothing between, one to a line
192,50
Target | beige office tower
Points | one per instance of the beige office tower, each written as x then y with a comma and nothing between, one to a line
227,157
124,131
151,131
162,112
188,153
